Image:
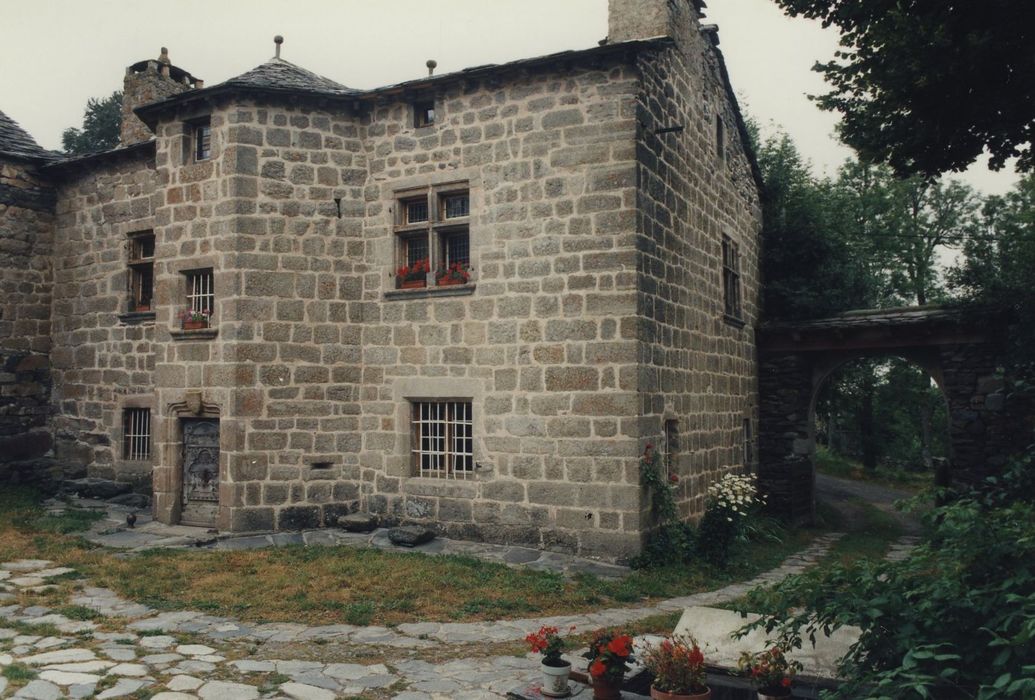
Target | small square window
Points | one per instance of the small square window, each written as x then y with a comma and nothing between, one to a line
202,138
141,271
423,114
416,211
136,433
442,439
456,206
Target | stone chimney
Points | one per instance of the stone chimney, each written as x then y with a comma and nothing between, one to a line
629,20
150,81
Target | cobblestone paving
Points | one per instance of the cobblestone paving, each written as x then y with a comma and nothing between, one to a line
129,649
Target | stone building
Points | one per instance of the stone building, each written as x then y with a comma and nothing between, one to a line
468,300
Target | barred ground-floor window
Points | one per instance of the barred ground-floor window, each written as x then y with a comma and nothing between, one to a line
441,439
136,434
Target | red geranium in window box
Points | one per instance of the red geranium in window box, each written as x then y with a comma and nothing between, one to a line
413,276
457,273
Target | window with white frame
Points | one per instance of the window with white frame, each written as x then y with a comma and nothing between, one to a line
136,433
731,278
200,297
433,236
441,439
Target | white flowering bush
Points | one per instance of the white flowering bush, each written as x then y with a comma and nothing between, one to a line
735,494
731,501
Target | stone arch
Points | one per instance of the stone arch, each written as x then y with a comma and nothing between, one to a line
795,360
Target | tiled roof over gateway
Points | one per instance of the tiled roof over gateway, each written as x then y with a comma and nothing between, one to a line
16,142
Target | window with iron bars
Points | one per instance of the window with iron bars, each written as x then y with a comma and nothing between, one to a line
731,278
441,439
136,433
201,296
202,141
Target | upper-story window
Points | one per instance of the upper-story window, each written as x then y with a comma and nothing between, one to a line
720,139
731,278
201,139
141,270
200,299
432,232
423,113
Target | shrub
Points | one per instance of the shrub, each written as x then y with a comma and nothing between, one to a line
955,619
731,502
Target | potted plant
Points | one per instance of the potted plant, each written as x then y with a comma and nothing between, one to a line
191,320
457,273
413,276
555,669
677,665
610,654
771,672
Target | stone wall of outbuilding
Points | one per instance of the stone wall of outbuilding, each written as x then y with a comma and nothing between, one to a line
26,221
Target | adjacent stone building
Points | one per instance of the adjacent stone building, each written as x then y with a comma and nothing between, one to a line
468,300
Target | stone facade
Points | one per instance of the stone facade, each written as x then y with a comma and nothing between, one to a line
26,210
603,187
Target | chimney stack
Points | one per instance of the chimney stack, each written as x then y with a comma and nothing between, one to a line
150,81
631,20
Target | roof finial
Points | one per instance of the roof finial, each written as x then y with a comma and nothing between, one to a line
432,64
278,40
164,57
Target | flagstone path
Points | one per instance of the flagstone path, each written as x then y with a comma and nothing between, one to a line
129,649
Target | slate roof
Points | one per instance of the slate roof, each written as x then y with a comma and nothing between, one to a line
278,74
16,142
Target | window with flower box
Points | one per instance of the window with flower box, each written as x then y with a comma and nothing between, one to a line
432,231
200,299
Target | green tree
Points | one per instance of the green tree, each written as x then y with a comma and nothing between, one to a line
927,85
102,120
811,267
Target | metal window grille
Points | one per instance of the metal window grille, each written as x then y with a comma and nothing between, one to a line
202,142
136,433
416,249
458,249
201,297
731,277
417,211
456,206
442,444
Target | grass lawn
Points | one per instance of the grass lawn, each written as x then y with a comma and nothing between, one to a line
329,585
834,464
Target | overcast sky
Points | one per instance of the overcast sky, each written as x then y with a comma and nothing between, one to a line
54,54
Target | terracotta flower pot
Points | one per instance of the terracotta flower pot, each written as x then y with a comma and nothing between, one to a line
555,680
450,281
604,689
662,695
194,325
413,284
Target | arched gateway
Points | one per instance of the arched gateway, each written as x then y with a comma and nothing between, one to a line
963,353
